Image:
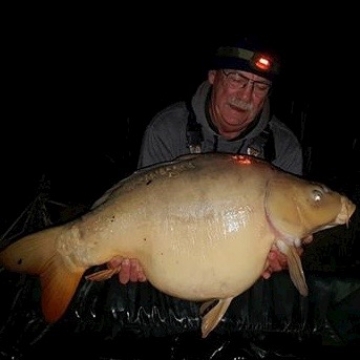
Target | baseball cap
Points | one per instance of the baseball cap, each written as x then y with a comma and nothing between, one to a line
248,55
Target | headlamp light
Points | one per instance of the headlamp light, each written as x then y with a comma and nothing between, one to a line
260,62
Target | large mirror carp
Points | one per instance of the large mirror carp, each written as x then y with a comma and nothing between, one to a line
201,226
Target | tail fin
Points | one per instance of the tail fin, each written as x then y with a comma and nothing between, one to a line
37,254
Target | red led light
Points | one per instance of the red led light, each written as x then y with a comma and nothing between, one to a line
262,63
242,160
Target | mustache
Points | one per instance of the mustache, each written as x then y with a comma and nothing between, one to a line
243,105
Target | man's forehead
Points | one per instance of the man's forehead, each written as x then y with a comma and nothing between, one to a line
249,75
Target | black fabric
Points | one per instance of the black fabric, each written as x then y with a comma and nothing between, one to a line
107,320
193,128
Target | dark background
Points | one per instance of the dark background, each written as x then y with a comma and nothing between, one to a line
82,83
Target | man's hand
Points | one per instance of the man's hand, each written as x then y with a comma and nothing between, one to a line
131,270
128,269
277,261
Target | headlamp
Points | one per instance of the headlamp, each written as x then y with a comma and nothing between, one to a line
260,62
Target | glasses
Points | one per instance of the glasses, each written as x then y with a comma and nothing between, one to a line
237,81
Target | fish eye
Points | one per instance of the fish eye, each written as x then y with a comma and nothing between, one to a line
317,195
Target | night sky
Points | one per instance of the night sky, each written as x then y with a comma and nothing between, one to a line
81,85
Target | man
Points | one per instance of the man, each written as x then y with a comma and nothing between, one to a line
229,112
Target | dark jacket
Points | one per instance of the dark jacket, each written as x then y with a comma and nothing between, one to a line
165,137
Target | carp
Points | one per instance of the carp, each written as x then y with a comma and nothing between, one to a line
201,226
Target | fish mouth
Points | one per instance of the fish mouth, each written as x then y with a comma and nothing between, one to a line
343,217
347,210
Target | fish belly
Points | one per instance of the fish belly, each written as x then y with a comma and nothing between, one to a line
207,263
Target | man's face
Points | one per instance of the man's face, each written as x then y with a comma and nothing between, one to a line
238,96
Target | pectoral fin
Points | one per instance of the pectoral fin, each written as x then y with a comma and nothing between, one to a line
213,317
114,266
101,275
295,267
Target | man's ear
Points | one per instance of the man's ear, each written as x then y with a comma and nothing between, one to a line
211,76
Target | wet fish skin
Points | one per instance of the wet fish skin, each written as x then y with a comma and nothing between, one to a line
201,226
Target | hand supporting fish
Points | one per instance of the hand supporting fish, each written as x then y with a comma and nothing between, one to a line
278,261
130,270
